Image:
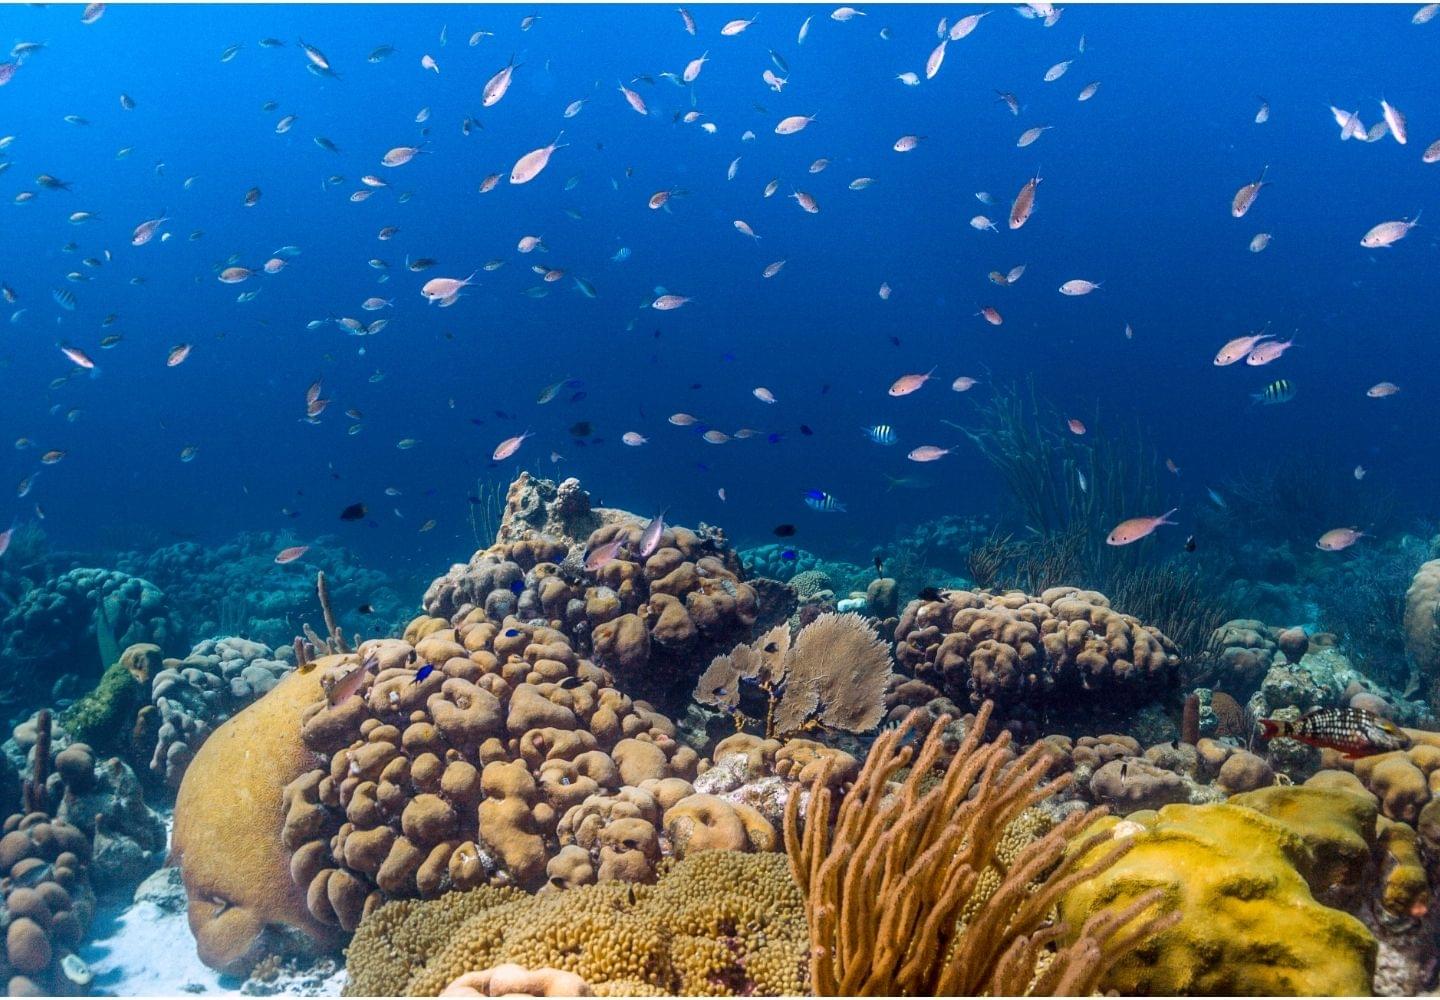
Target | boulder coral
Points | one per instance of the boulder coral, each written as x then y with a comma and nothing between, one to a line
1061,649
717,923
465,777
243,903
48,905
649,620
1249,922
1422,629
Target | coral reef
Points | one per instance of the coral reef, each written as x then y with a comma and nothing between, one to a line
1422,630
1058,651
716,923
48,906
833,675
243,902
238,589
74,626
1248,921
194,695
947,887
461,778
107,717
650,620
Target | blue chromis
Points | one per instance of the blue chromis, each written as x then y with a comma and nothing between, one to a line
423,673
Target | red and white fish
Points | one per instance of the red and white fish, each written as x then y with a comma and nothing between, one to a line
291,554
1338,539
509,446
1352,731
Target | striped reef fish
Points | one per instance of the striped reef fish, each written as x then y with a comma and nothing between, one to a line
1352,731
1282,390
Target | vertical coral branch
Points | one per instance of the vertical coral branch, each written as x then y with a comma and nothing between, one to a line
34,790
918,890
336,642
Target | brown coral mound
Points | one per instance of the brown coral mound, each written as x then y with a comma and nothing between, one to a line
461,779
921,891
48,905
1021,651
834,675
648,620
715,924
1422,628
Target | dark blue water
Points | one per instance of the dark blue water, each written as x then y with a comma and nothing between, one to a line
1136,192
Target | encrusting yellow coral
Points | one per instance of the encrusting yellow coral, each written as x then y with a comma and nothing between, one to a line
715,924
1248,922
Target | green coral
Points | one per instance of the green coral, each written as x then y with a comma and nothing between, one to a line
718,923
105,717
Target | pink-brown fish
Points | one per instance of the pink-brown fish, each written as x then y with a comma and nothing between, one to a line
1395,120
1382,389
145,232
906,384
667,302
682,419
1238,348
1265,353
343,687
964,383
806,201
1135,528
177,355
528,167
992,315
906,143
1077,427
634,100
1338,538
235,275
1388,233
509,446
77,356
1246,196
634,439
400,155
1024,204
793,124
927,453
763,394
438,289
497,85
291,554
602,555
936,59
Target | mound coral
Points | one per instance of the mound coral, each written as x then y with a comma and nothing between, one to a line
48,905
461,778
1422,629
243,903
1239,653
648,619
715,924
59,627
194,695
834,675
1248,921
1061,650
945,887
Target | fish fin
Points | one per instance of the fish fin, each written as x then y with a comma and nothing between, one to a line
1271,728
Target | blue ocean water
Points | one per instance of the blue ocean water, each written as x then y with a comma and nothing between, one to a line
1136,192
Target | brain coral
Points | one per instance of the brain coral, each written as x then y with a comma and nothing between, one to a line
1064,647
243,902
1249,924
651,621
460,778
715,924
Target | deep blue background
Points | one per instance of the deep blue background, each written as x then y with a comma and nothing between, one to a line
1136,193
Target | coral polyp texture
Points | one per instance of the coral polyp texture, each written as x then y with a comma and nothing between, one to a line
1065,649
460,777
652,619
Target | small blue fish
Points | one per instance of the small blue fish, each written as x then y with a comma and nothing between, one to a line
423,673
511,633
822,501
517,588
788,555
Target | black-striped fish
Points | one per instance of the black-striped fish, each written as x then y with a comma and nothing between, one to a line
1352,731
1282,390
881,434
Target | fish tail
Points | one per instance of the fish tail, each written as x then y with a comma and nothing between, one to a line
1271,728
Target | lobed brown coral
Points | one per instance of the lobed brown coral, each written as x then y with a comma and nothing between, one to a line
715,924
648,620
48,905
1422,629
462,778
1064,647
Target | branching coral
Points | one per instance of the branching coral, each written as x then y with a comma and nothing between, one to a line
914,891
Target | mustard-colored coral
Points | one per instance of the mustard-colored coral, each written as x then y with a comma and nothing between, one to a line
1249,923
715,924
